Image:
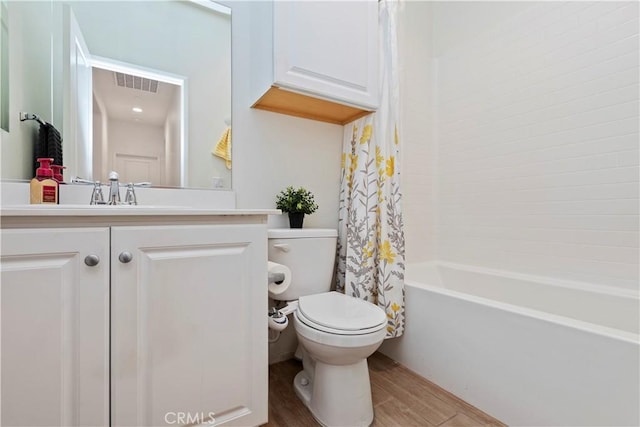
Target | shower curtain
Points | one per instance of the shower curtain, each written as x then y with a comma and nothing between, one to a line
370,228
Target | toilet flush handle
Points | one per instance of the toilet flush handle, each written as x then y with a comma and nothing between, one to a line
282,246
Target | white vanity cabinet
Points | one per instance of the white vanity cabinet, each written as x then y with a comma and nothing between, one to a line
314,59
168,328
188,334
55,327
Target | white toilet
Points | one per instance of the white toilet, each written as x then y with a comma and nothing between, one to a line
337,332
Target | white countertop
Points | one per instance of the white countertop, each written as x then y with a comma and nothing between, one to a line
122,211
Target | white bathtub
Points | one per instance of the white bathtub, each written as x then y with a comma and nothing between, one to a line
527,350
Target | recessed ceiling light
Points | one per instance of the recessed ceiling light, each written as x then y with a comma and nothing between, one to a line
137,109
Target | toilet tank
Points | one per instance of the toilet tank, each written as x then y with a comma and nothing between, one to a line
310,255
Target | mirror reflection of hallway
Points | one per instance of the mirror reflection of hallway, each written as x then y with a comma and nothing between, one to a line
136,128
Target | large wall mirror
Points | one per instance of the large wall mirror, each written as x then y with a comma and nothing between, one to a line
140,87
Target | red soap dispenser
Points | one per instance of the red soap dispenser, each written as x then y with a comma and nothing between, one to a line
57,173
44,189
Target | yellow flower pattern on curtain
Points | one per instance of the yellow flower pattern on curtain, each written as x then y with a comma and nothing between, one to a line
371,237
370,228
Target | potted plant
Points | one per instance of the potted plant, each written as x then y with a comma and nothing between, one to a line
297,203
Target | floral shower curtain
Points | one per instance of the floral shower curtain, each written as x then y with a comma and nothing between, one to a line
370,228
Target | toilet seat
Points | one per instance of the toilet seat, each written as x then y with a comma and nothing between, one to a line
332,331
339,314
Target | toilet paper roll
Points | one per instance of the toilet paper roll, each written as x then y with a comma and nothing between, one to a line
276,289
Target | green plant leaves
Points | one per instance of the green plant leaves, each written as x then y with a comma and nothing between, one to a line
296,200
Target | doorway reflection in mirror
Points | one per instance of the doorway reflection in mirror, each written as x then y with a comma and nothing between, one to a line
193,52
137,127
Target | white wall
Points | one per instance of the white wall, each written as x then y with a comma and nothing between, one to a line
418,148
99,126
172,142
100,140
4,64
30,85
536,129
272,150
458,22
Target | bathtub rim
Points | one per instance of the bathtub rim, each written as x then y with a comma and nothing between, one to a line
565,283
582,325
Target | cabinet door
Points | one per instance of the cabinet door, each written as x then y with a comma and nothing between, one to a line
189,331
55,327
329,49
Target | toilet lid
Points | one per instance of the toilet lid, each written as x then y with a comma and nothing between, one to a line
340,312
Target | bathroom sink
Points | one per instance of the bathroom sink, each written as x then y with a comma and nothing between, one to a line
73,210
132,206
79,206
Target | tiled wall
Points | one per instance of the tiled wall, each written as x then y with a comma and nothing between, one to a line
418,154
537,144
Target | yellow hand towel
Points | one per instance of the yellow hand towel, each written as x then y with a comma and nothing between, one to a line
223,147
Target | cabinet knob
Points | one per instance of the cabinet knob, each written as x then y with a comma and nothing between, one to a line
92,260
125,257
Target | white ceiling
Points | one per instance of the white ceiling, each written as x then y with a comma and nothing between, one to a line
119,101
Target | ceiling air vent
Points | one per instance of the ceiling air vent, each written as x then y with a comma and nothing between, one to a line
136,82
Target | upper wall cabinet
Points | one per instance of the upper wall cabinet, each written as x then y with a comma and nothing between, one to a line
317,60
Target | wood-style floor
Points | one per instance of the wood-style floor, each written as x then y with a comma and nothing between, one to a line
400,398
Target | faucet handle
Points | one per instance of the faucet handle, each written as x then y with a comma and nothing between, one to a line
113,176
130,197
78,180
97,198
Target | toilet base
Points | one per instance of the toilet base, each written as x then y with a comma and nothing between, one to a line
338,395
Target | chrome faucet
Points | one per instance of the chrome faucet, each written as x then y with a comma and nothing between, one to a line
114,189
97,197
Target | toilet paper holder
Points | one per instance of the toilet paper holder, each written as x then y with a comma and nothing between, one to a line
276,278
